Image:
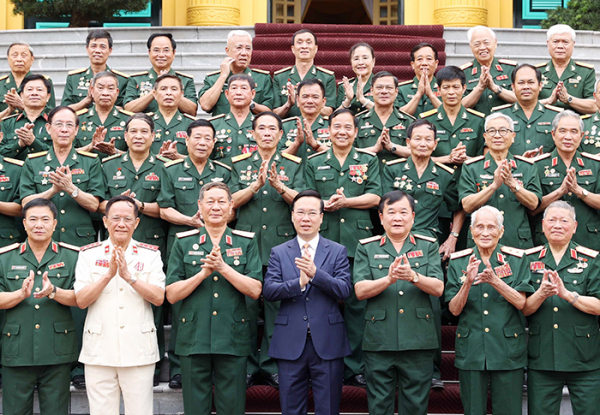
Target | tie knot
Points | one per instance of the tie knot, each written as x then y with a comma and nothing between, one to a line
306,246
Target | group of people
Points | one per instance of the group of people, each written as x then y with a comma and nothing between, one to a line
335,214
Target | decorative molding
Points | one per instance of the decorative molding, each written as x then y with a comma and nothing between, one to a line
461,16
213,16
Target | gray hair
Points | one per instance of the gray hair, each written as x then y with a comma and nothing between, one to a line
473,29
20,43
566,114
561,204
214,185
597,85
105,74
238,33
492,210
491,117
559,29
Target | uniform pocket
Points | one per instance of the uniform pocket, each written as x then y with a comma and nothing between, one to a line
325,182
461,347
85,231
150,340
533,345
92,340
515,341
241,329
425,324
186,328
375,327
10,340
586,342
185,193
65,341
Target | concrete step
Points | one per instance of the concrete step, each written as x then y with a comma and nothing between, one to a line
524,36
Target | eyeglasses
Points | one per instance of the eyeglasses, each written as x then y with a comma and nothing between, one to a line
384,87
125,219
61,125
311,214
501,131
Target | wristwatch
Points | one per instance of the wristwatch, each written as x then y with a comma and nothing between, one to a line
570,99
584,193
393,149
517,188
415,278
455,234
53,293
500,89
132,280
252,106
75,193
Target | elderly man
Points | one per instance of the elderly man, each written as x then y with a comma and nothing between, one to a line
567,83
532,120
211,272
118,280
420,94
566,174
38,339
239,53
591,139
499,179
486,289
398,271
563,318
488,78
286,80
139,96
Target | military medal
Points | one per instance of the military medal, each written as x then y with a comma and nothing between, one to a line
236,261
503,271
195,246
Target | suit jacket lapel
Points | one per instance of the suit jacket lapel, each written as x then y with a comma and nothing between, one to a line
293,252
322,252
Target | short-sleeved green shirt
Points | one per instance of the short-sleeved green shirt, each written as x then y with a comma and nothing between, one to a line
9,147
176,130
320,131
500,70
407,91
355,105
114,123
79,81
7,82
579,79
591,138
10,177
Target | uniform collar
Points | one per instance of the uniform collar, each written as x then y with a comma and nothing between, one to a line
550,71
27,254
160,119
149,163
430,172
112,118
190,168
153,75
231,120
51,159
409,243
569,259
490,164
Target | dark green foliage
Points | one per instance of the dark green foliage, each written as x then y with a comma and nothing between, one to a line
579,14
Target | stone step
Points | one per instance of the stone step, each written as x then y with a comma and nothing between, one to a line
524,36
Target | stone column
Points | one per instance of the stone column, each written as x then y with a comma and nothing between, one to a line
213,13
460,13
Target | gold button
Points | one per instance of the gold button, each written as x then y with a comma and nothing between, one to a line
215,278
418,186
17,277
383,161
529,126
380,266
214,313
62,229
487,330
62,193
37,306
341,173
184,187
216,295
588,334
183,320
416,264
516,335
167,132
574,281
502,212
401,311
528,141
570,193
37,326
538,281
2,188
556,326
120,289
485,312
416,201
7,334
193,262
501,196
401,292
122,327
490,96
264,226
342,220
485,295
58,275
243,320
264,209
265,192
458,335
427,316
453,135
556,309
39,273
121,307
37,289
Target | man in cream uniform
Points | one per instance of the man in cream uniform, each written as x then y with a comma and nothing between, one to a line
118,280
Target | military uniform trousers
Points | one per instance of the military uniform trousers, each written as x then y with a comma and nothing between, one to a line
506,389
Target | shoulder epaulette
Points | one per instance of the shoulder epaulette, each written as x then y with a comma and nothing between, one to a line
400,160
213,73
585,116
87,153
90,246
585,65
3,77
122,111
525,159
370,239
244,234
405,82
466,65
316,154
428,113
240,157
69,246
362,150
140,73
410,116
295,159
114,156
36,155
82,111
541,157
508,62
11,116
184,74
190,117
587,251
216,117
534,250
327,71
47,77
539,65
123,74
425,238
150,114
358,114
282,70
501,107
595,157
173,162
162,158
261,71
220,164
76,71
291,119
512,251
187,233
14,161
474,159
444,167
553,108
462,253
472,111
349,80
148,246
9,247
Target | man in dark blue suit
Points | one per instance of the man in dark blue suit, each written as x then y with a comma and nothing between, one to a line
309,275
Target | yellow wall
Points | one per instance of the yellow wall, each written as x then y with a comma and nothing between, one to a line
175,12
499,12
253,11
8,21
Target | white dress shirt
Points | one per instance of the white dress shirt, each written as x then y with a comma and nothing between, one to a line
312,249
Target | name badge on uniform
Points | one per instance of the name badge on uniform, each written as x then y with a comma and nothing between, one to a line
19,268
234,252
185,179
54,266
119,177
323,167
381,256
575,270
196,253
503,271
517,175
414,254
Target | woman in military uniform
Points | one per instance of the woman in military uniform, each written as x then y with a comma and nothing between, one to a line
350,96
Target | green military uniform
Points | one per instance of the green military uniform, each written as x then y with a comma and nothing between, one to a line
400,334
264,89
114,124
142,83
176,130
7,82
290,74
358,176
9,147
355,105
214,330
10,176
478,173
564,341
74,222
320,131
407,91
79,81
500,70
370,128
591,137
39,342
268,215
579,78
552,171
490,337
531,133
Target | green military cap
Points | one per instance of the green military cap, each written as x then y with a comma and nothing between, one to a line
79,80
579,79
9,146
500,71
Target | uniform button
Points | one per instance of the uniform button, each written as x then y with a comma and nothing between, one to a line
193,262
183,320
307,299
324,178
167,132
120,289
37,326
528,141
7,334
215,278
37,289
264,209
37,306
216,295
62,229
418,186
485,312
570,193
416,264
62,211
490,96
555,309
265,192
416,201
62,193
2,188
122,327
155,236
17,277
239,131
264,226
453,135
485,295
341,173
401,311
342,220
502,212
305,318
39,273
556,326
587,182
501,196
529,126
516,335
380,266
383,161
214,313
120,307
458,335
401,292
426,315
574,281
487,330
184,187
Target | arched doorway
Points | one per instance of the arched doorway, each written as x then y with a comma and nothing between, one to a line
378,12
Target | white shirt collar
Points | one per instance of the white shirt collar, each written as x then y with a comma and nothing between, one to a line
313,243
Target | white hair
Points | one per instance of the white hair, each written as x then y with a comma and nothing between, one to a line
19,43
491,117
473,29
238,33
559,29
561,204
566,114
492,210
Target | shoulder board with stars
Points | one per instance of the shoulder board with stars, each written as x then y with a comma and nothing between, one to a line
362,150
371,239
410,117
11,116
216,117
595,157
512,251
316,154
150,114
261,71
114,156
241,157
428,113
9,247
282,70
587,251
508,62
461,254
295,159
400,160
218,163
140,73
585,65
187,233
534,250
585,116
405,82
190,117
162,158
540,65
82,111
46,76
327,71
466,65
474,159
69,246
553,108
173,162
184,74
3,77
213,73
425,238
290,119
349,80
36,155
244,234
90,246
525,159
542,157
148,246
444,167
479,114
129,113
123,74
14,161
87,153
501,107
76,71
358,114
